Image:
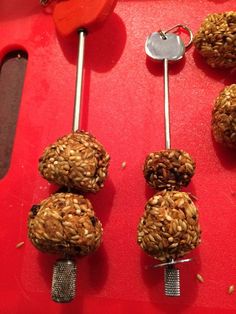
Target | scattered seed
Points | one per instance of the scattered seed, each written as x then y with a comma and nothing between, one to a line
123,165
200,278
20,244
231,289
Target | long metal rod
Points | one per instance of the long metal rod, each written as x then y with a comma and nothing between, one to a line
167,105
79,81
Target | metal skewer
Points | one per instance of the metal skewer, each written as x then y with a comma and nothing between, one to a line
79,80
166,105
165,46
65,270
166,82
79,74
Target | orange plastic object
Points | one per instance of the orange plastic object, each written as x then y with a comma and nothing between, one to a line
75,14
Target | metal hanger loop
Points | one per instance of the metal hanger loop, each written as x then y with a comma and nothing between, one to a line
185,27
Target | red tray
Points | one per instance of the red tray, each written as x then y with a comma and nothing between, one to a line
123,108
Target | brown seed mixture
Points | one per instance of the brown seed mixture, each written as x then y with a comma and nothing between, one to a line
216,39
168,169
64,223
169,227
77,161
224,117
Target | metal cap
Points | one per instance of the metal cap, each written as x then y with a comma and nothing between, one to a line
64,281
172,281
172,276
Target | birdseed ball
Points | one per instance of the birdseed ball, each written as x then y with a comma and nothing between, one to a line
216,40
65,224
77,161
168,169
169,227
224,117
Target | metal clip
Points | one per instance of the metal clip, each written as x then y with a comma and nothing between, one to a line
180,26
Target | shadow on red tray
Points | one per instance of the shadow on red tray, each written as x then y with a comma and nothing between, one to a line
191,190
102,201
149,192
225,155
86,97
14,9
157,68
218,1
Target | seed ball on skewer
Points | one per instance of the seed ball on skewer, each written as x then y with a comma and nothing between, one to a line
216,39
77,161
169,227
64,223
224,117
168,169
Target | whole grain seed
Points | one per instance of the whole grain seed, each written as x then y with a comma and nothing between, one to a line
231,289
200,278
20,244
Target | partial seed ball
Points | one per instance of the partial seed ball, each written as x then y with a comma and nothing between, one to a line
224,117
216,39
169,227
169,169
76,161
64,224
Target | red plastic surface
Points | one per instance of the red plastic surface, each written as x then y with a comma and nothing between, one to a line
123,108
